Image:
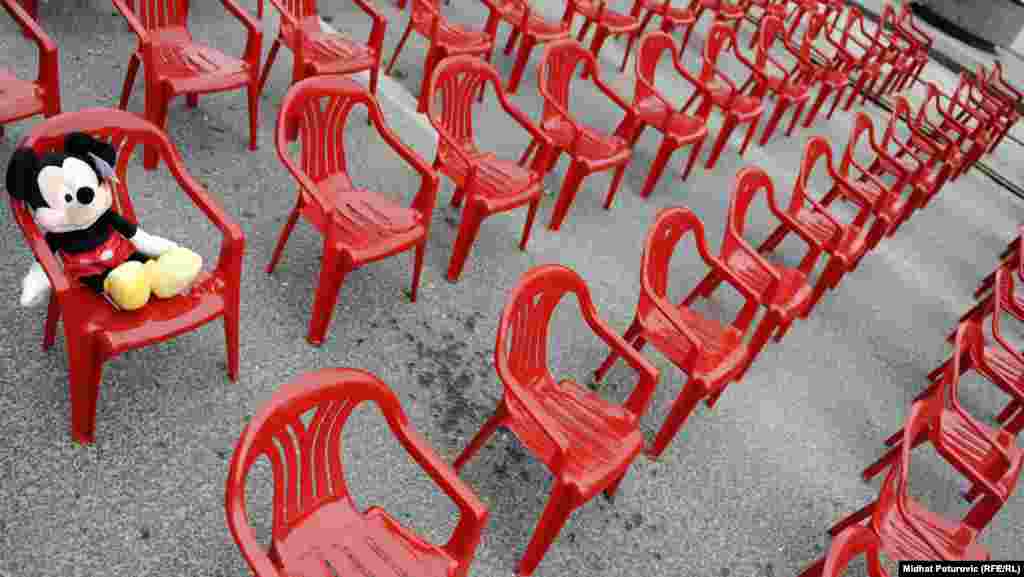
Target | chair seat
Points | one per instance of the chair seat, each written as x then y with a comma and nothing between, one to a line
603,437
369,224
795,91
499,183
190,67
537,26
902,542
18,98
793,293
851,244
616,22
967,447
1009,372
454,38
681,126
119,331
336,539
744,107
722,349
336,54
595,148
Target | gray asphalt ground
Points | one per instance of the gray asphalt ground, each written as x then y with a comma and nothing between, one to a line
748,489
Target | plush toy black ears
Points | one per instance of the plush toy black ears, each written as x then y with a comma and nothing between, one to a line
84,146
21,174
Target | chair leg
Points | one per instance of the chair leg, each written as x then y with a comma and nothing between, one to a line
981,514
468,229
631,333
773,122
129,81
556,513
333,270
823,94
764,330
682,407
270,62
854,518
86,371
482,436
513,36
614,186
723,138
50,328
398,49
285,233
531,214
253,93
231,334
600,36
695,149
192,100
525,47
529,150
457,196
570,186
1011,408
750,134
157,104
835,103
417,269
668,146
633,38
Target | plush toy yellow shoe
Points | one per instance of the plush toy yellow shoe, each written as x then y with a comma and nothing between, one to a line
174,272
128,286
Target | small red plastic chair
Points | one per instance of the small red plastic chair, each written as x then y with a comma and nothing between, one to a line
606,21
711,354
590,149
359,226
857,52
846,547
937,132
718,90
445,39
816,66
94,332
919,39
776,8
317,528
789,86
731,12
19,98
174,64
528,28
488,184
900,55
651,108
1000,101
316,51
585,441
783,291
906,530
672,17
845,244
986,457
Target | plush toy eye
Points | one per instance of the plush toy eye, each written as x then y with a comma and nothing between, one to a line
68,198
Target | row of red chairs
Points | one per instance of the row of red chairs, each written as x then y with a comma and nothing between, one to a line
987,457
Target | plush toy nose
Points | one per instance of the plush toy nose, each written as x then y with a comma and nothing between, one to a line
85,195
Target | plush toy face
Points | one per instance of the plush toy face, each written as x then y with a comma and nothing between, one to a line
66,190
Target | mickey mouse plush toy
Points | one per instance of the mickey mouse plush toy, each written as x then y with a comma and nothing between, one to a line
70,194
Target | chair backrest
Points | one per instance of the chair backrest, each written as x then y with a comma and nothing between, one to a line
521,351
124,130
849,544
862,125
557,69
901,112
721,38
817,148
670,226
156,14
456,83
771,27
305,459
749,182
652,46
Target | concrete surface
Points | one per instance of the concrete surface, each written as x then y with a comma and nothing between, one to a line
748,489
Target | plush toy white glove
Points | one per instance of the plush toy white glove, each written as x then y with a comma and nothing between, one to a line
35,287
150,245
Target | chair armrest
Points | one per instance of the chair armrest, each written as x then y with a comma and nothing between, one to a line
670,312
520,117
739,243
133,21
452,145
255,33
473,513
41,251
251,549
380,22
426,197
549,101
523,399
641,396
609,91
46,44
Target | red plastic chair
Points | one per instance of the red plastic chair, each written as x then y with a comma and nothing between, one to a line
94,331
21,99
906,530
857,52
175,64
606,21
651,108
711,354
718,90
672,17
845,547
919,39
590,149
445,38
789,86
816,66
316,51
939,133
359,226
986,457
781,290
525,22
845,244
725,11
488,184
901,54
586,442
886,201
993,98
317,527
